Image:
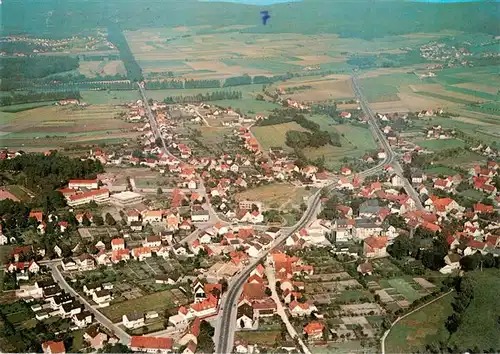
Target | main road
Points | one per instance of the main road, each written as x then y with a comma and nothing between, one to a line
390,155
225,330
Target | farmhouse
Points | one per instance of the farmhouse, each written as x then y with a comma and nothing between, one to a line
161,345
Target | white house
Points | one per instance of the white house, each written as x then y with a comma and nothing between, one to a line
133,320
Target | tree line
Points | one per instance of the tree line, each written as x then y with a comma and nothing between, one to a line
33,96
115,36
327,109
209,96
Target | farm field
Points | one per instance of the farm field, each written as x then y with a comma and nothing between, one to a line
479,326
420,328
154,302
440,144
110,97
276,195
332,87
248,106
464,160
54,126
275,135
95,68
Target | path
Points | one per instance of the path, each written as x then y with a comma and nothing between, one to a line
281,310
382,340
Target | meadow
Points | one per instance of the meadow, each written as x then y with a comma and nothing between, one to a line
275,135
440,144
277,195
420,328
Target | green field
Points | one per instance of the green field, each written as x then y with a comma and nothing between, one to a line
248,91
479,327
463,159
443,97
441,170
420,328
356,141
473,194
386,87
25,107
275,65
110,97
438,144
275,135
405,289
478,94
264,338
488,108
154,302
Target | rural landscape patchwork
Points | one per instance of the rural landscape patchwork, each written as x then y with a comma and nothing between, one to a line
315,176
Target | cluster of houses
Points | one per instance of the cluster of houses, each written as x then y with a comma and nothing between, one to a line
52,301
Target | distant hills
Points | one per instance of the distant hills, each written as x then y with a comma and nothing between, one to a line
350,18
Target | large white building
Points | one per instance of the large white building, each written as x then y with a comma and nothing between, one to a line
83,183
98,196
126,198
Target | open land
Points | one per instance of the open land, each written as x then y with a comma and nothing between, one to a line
276,195
54,126
275,135
479,326
420,328
94,68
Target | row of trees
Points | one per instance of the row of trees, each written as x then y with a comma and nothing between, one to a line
238,81
209,96
35,96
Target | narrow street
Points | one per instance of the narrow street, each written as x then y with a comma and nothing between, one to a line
99,317
281,310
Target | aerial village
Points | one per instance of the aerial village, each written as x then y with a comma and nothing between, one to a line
149,266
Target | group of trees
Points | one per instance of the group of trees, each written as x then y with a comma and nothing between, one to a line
17,68
431,257
238,81
209,96
115,36
298,139
47,173
190,84
463,297
36,96
329,109
165,84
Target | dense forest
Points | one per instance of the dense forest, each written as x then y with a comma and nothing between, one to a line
362,19
115,36
18,68
209,96
37,96
47,173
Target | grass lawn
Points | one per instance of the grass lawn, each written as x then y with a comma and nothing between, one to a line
353,295
153,302
355,140
467,158
473,194
438,144
18,317
480,327
264,338
275,135
420,328
18,192
76,346
404,289
112,97
276,195
441,170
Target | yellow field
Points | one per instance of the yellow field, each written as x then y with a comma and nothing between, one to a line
276,195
